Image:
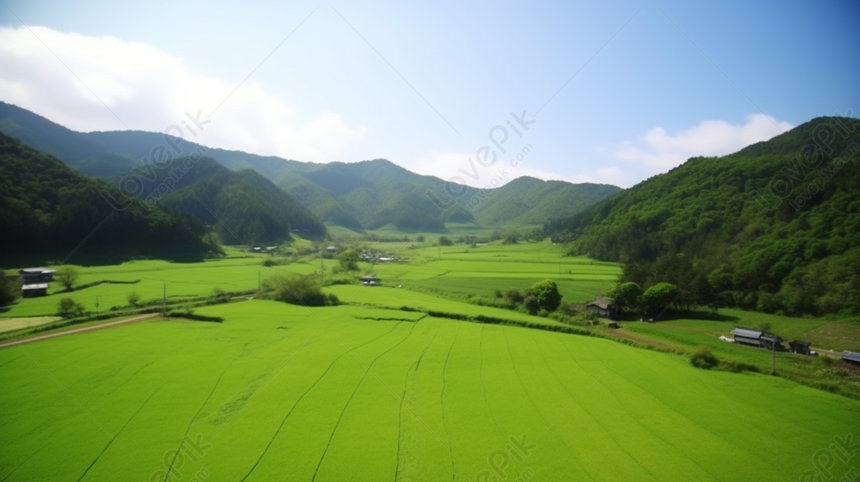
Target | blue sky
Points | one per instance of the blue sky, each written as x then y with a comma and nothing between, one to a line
618,91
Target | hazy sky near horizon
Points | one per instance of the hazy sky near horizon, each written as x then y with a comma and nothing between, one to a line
611,93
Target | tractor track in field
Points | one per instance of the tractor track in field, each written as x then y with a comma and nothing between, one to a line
442,396
302,396
32,454
354,391
80,330
634,418
127,379
481,379
403,402
197,414
93,463
603,427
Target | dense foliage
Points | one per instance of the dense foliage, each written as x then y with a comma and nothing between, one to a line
47,206
774,227
297,290
8,290
243,207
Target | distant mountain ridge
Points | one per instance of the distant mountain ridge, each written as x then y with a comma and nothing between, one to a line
361,195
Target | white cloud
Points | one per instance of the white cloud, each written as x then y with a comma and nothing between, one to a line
657,151
148,89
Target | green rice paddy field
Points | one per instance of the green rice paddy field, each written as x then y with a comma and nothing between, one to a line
279,392
368,392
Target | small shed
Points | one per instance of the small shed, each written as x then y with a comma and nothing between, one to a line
33,290
851,357
601,307
36,275
371,280
799,346
747,336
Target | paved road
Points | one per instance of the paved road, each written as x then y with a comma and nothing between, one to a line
80,330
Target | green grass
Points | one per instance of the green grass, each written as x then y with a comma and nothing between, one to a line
282,392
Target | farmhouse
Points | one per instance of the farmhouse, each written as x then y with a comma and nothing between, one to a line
601,307
851,357
34,289
36,275
799,346
758,338
371,280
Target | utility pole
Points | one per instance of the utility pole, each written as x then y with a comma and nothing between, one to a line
773,357
322,271
164,300
259,282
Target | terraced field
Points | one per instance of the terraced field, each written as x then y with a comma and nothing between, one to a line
279,392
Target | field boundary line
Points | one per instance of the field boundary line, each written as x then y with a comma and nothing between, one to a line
99,456
354,391
79,330
301,397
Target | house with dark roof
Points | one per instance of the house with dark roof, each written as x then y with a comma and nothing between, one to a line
851,357
602,307
748,336
36,275
33,290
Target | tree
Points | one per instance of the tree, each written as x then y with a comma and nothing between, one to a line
626,296
67,276
69,308
296,290
657,298
444,241
348,260
133,298
7,290
547,295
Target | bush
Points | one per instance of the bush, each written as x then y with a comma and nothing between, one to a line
69,308
296,290
703,358
218,296
531,304
547,295
445,241
8,290
133,298
514,296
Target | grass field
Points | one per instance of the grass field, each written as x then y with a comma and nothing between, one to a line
279,392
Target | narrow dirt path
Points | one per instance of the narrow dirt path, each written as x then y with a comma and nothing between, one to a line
80,330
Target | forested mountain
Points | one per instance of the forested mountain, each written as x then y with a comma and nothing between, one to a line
73,148
774,227
526,199
47,207
243,207
362,195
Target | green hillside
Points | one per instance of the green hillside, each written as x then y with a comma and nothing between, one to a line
774,227
361,195
45,207
527,200
243,207
87,156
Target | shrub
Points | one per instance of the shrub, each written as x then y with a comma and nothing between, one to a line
218,296
547,295
133,298
69,308
445,241
514,296
703,358
296,290
531,304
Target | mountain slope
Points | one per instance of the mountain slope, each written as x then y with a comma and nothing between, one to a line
45,206
87,156
528,200
367,194
774,227
243,207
